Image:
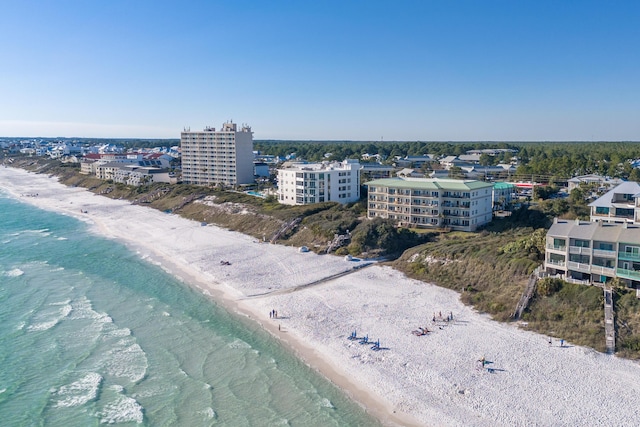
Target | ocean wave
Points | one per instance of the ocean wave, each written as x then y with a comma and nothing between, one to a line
118,332
62,238
209,413
14,272
65,310
43,326
79,392
83,309
124,410
326,403
126,360
238,343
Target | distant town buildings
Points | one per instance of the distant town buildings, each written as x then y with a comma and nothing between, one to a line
600,182
431,203
306,183
212,157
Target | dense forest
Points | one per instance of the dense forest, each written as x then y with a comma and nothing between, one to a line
560,160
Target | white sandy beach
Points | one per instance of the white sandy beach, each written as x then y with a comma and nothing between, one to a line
430,380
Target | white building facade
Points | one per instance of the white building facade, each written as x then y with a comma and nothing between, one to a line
593,252
212,157
461,205
307,183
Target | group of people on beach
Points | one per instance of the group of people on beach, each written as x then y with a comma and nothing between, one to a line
364,340
273,314
448,318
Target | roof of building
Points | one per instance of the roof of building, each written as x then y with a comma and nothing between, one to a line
503,186
627,187
431,183
598,231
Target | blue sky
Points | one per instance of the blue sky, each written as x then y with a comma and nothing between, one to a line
356,70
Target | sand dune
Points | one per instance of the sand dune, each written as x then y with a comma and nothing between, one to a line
434,379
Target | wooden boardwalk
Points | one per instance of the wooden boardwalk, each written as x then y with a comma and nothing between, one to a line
526,295
609,321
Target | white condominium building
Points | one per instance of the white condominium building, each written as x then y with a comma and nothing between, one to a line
593,252
210,157
306,183
431,202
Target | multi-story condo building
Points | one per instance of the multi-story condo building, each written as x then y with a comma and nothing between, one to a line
306,183
593,252
217,157
619,205
427,202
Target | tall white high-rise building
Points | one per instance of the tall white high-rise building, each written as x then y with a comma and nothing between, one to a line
211,157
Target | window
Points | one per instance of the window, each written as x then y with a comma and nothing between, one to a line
635,250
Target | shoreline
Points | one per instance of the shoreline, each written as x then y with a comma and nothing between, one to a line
413,380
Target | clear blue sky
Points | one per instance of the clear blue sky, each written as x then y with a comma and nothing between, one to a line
361,70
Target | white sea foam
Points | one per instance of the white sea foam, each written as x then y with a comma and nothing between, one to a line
43,326
65,310
79,392
164,313
238,343
62,238
65,302
83,309
209,413
3,390
326,403
123,410
118,332
20,326
126,360
14,272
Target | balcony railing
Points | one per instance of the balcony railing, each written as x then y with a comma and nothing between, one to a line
628,256
555,262
605,271
579,250
562,248
604,253
578,266
628,274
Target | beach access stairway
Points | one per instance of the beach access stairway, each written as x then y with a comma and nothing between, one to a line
523,303
609,323
286,227
338,241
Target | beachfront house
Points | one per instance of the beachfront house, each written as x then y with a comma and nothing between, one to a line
431,203
593,252
307,183
212,157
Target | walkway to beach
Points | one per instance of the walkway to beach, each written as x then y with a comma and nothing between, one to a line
314,283
609,325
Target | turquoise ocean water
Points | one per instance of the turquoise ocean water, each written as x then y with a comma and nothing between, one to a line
92,334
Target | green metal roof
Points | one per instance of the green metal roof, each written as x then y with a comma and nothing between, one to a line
503,186
430,184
